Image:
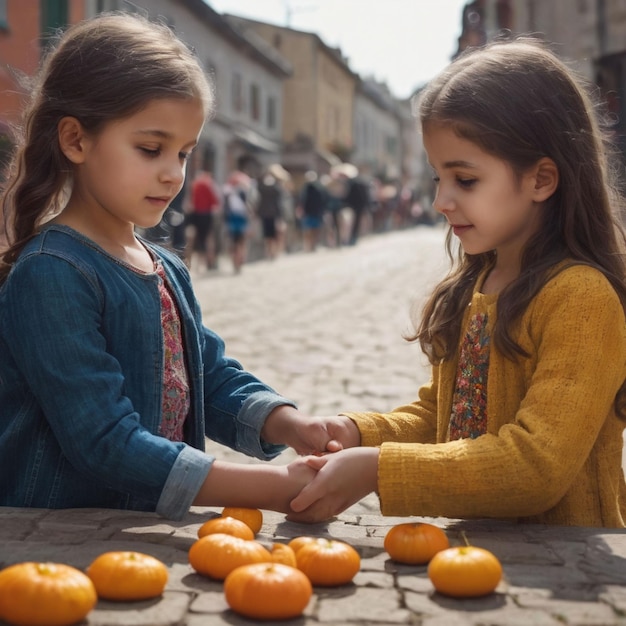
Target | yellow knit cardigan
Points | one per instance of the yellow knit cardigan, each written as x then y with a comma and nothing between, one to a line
553,448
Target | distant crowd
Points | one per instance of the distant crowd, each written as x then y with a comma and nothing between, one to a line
261,217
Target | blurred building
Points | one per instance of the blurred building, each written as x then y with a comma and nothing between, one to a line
282,95
248,78
378,147
319,97
247,73
589,34
24,30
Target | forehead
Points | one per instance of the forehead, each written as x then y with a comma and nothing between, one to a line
443,143
167,116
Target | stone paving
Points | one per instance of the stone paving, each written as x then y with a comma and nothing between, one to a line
326,330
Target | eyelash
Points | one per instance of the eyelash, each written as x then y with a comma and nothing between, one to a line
184,156
465,183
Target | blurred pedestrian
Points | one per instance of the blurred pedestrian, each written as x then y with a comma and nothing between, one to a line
312,205
335,185
524,414
236,198
269,208
358,199
205,205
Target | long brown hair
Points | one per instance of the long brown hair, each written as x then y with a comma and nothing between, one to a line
517,101
102,69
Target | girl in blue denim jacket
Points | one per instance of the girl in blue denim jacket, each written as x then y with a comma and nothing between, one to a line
109,382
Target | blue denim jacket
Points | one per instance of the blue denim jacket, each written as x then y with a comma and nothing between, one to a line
81,368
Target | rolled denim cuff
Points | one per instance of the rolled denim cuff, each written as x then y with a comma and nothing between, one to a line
250,420
183,483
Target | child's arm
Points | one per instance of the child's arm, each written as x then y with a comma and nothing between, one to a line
342,480
269,487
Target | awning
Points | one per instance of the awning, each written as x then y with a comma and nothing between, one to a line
255,140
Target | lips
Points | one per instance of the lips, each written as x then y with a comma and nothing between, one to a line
459,229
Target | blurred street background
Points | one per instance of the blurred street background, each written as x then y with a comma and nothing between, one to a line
315,97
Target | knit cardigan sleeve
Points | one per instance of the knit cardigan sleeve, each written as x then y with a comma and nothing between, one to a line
545,415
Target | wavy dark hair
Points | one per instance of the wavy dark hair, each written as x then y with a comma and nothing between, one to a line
103,69
517,101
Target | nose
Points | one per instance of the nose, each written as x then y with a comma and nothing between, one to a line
443,201
173,173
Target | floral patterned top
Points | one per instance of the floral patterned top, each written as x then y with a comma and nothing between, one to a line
175,399
469,404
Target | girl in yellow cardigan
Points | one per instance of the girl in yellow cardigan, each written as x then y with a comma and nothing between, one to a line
524,414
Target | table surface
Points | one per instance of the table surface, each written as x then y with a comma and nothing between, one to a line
552,575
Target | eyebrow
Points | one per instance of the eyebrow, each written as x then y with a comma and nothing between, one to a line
155,132
163,135
451,164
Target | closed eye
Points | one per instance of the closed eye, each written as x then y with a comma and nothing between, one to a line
151,152
466,183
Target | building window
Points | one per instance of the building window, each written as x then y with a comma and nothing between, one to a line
237,92
54,15
107,5
271,112
255,102
4,17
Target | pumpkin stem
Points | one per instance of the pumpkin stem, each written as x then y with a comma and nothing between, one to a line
465,540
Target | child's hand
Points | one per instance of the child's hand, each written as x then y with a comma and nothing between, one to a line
342,480
310,435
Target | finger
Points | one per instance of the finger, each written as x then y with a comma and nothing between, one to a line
305,498
315,462
334,446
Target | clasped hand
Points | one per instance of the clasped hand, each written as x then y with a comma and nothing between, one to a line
344,472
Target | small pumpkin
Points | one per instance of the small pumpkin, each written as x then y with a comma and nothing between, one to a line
282,553
415,543
252,517
217,555
297,542
267,591
127,576
228,525
328,562
465,571
45,594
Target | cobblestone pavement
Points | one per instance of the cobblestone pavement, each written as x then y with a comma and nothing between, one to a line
326,330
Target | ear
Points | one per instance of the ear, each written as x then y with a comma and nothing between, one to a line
546,179
72,139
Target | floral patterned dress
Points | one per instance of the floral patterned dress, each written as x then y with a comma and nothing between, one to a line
469,404
175,399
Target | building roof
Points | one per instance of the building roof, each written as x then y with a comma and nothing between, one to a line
247,42
335,53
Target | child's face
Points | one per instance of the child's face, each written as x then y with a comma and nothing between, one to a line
135,166
487,206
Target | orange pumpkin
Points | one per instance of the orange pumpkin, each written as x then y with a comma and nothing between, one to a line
45,594
282,553
328,562
252,517
297,542
415,543
128,576
217,555
267,591
226,525
465,572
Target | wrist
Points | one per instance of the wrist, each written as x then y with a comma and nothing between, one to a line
277,424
